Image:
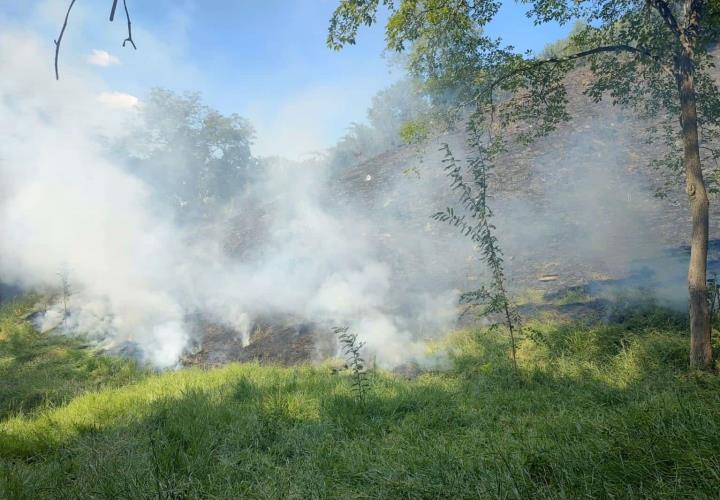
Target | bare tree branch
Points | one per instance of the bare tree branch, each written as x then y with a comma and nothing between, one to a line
580,55
112,18
112,10
598,50
127,16
60,37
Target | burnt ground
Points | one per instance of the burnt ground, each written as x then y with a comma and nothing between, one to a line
287,340
278,339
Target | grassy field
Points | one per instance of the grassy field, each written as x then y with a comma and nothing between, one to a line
595,410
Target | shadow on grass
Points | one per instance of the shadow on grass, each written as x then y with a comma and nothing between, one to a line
602,410
42,370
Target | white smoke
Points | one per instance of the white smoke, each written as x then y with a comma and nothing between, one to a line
66,205
382,267
135,276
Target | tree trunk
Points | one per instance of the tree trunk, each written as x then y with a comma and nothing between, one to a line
700,333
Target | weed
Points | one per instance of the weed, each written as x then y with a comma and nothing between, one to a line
351,348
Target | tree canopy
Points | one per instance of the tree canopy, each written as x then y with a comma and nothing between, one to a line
628,45
193,155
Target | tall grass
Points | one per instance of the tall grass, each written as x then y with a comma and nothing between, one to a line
596,410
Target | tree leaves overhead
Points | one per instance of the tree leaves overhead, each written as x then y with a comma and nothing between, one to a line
629,46
347,19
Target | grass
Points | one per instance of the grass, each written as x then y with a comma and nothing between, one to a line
536,296
39,371
596,410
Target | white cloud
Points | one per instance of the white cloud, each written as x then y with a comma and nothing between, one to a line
118,100
102,58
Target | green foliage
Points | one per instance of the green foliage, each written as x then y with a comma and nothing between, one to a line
351,348
572,295
42,371
650,56
194,156
475,223
415,132
444,39
565,46
396,105
597,411
628,46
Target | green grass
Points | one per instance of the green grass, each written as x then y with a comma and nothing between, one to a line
595,411
40,371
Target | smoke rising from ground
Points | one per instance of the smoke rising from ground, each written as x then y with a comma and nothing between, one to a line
359,251
136,277
589,209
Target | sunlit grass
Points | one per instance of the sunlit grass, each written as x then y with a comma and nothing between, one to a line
40,371
595,410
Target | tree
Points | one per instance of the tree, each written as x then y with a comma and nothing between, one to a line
648,55
192,155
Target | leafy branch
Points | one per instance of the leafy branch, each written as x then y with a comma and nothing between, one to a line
476,224
351,348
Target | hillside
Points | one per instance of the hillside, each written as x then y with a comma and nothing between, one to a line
575,211
580,204
219,281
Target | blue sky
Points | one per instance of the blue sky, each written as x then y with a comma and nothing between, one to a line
265,59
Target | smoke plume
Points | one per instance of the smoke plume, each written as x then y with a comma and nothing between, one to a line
356,248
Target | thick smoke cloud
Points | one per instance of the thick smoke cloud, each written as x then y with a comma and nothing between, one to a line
353,248
68,206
